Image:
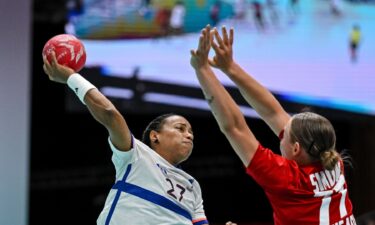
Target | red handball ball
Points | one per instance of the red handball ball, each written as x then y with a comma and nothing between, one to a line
68,49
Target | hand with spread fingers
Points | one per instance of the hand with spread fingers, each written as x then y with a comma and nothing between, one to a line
199,57
55,71
223,58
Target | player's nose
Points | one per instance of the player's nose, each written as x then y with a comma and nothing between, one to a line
189,136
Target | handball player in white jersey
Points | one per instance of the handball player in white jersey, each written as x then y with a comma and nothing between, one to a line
149,188
305,184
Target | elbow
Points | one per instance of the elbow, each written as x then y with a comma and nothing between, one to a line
229,128
235,124
110,116
226,128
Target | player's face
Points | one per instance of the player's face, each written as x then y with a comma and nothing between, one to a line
176,139
286,146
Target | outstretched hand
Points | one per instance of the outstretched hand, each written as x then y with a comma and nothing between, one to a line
223,58
55,71
199,57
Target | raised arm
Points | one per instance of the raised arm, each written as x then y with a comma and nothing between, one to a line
264,103
226,112
99,106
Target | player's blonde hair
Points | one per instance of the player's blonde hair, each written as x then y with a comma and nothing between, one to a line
317,136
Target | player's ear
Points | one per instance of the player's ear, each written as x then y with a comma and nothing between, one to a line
154,137
296,148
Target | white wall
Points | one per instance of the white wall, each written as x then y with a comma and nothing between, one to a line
15,70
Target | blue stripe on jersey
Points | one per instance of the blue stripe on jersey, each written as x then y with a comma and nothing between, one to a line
114,203
152,197
201,222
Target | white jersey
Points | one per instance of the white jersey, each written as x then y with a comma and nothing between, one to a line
150,190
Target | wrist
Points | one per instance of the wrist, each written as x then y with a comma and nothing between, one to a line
231,69
79,85
65,74
202,69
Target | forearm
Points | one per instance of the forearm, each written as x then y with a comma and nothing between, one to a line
100,108
228,115
261,99
223,107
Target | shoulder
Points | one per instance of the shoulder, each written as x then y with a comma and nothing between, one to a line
137,148
266,157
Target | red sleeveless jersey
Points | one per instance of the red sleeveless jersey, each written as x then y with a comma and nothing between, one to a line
302,195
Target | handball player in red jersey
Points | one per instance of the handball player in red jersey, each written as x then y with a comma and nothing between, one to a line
306,184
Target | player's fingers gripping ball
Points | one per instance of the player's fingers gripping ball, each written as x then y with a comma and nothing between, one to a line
69,51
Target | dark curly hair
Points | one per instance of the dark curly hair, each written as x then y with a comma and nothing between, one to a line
156,125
